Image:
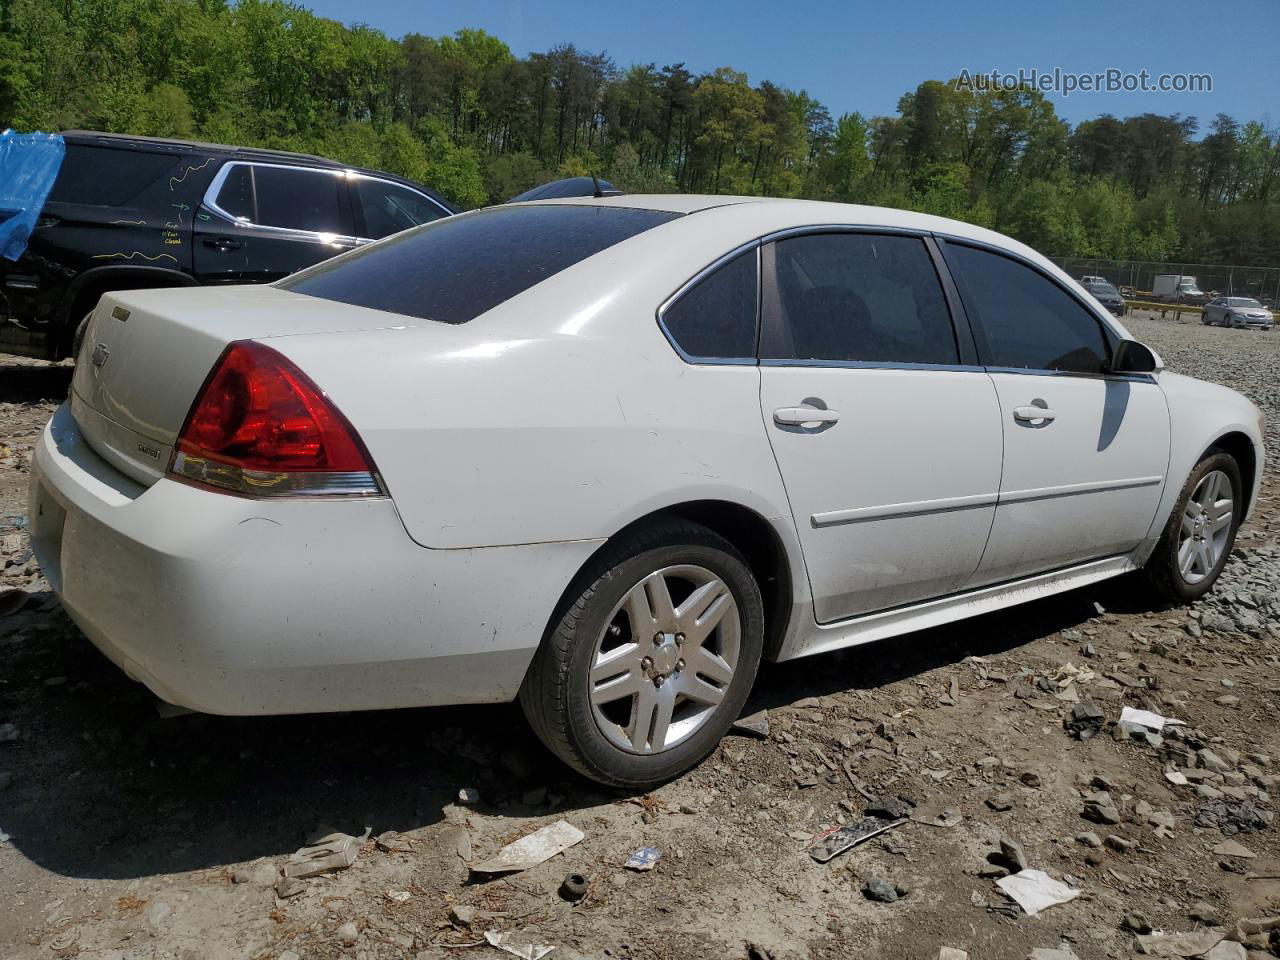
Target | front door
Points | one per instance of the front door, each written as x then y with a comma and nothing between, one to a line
889,448
1085,452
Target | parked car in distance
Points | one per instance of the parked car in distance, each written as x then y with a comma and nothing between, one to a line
1107,295
1240,312
1179,288
568,187
605,456
129,212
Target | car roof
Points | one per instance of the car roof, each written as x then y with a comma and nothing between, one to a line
806,213
169,145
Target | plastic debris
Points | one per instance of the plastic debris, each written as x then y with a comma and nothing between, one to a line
334,851
529,851
1145,718
29,163
1035,890
526,951
643,859
837,840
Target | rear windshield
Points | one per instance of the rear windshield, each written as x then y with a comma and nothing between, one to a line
457,268
106,176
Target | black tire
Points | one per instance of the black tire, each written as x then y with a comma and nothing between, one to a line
1162,572
555,695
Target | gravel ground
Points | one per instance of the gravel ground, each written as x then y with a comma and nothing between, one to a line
129,836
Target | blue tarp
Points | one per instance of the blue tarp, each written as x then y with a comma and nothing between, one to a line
29,164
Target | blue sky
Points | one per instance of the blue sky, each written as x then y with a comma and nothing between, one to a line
856,55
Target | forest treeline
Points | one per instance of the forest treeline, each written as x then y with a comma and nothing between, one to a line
466,116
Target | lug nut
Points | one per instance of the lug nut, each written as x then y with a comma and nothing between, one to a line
646,663
657,681
679,665
679,639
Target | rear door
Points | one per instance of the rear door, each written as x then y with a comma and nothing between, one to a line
886,433
263,221
1085,451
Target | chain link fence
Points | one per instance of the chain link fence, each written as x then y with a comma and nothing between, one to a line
1261,283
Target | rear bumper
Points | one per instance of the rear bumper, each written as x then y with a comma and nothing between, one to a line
235,606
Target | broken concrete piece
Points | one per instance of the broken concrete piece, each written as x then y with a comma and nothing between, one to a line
1035,890
951,953
1057,953
529,851
755,724
1180,944
1233,848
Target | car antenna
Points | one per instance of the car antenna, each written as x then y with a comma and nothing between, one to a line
598,192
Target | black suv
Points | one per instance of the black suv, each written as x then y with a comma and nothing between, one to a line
128,212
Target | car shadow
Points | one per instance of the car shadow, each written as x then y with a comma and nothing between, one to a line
103,787
34,382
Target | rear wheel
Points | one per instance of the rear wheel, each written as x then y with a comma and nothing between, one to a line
650,659
1200,533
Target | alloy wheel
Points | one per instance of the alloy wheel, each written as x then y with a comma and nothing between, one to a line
1206,527
665,659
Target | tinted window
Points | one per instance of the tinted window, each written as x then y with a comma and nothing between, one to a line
107,177
457,268
851,296
716,317
236,195
1022,319
389,208
298,199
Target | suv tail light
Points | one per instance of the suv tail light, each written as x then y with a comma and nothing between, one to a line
260,427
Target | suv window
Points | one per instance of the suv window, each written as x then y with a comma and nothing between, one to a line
389,207
1022,319
106,176
236,195
297,199
716,317
457,268
855,296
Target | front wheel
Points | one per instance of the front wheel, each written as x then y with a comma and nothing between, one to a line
1200,533
651,657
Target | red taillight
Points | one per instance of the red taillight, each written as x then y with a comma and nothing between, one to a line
260,426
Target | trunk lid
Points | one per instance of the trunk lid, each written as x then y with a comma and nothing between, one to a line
147,353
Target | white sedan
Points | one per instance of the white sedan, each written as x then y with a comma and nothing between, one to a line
605,455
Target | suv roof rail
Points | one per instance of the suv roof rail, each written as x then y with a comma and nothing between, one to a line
188,145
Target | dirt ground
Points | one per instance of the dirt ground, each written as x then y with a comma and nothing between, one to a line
130,836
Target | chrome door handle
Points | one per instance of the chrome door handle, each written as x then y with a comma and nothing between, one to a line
798,416
1032,412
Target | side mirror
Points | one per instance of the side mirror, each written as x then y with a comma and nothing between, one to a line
1130,356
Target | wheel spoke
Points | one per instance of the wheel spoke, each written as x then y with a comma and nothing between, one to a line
1208,491
703,662
1205,557
695,688
649,606
704,609
651,717
1221,515
1188,525
617,675
1186,557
